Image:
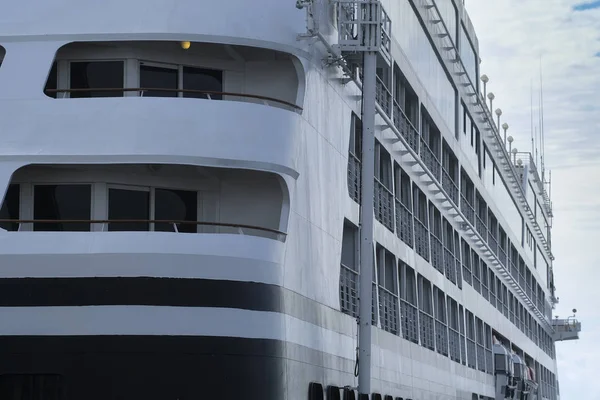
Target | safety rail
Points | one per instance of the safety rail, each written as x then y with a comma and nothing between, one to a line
426,323
404,223
383,96
450,186
441,337
437,253
431,161
349,290
481,227
151,222
410,321
467,208
405,127
450,265
421,239
388,310
471,353
454,344
527,159
384,205
210,94
354,177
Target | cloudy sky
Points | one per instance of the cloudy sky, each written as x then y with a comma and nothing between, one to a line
513,35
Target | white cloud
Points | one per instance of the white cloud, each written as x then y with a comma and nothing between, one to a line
513,34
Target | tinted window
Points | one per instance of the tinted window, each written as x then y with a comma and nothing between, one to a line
97,75
126,204
175,205
54,203
160,78
202,79
10,208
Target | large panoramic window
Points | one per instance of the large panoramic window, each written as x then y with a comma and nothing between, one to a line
468,56
202,79
85,75
448,13
10,208
57,206
176,205
163,76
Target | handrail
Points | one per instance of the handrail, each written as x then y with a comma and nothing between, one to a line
150,221
205,92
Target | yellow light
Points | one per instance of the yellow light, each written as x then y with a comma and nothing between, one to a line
185,45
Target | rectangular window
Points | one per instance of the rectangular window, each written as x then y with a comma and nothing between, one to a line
87,75
176,205
159,77
130,205
10,208
203,80
62,207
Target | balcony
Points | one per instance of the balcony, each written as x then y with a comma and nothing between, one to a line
175,199
566,329
165,69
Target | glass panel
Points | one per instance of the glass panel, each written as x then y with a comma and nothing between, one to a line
62,202
176,205
209,80
159,78
127,204
10,208
51,83
97,75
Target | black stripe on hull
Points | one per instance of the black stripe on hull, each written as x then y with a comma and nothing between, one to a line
148,367
31,292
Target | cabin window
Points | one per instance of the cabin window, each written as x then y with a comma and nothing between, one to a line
87,75
129,204
58,205
10,208
176,205
174,77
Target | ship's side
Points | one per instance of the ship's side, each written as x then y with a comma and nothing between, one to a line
181,208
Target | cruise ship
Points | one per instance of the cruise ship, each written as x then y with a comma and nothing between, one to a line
187,186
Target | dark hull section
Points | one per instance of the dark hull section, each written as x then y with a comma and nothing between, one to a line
142,367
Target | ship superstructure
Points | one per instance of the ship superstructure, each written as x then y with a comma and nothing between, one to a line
182,201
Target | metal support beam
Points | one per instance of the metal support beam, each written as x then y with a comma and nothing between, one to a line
366,222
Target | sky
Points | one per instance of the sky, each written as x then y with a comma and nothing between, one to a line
565,34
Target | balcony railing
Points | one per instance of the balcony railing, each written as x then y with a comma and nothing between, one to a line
405,127
388,310
349,291
467,276
502,256
437,253
463,350
383,97
404,223
449,186
481,365
489,361
493,243
441,337
410,321
471,354
481,227
175,225
384,205
454,343
421,239
354,176
467,209
206,94
450,265
427,330
431,161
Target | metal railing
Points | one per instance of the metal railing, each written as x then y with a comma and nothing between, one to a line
427,330
481,365
467,209
388,310
410,321
489,361
502,256
383,96
441,337
354,177
449,186
405,127
471,354
206,94
492,243
449,265
463,350
421,239
481,227
437,253
404,223
149,223
384,205
349,291
431,161
467,275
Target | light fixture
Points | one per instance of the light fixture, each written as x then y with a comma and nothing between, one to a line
515,151
509,139
185,45
491,96
499,113
485,80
